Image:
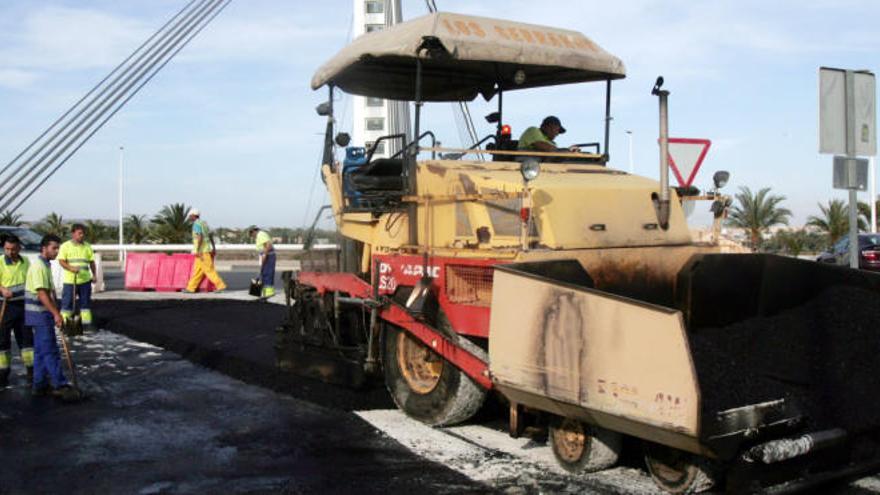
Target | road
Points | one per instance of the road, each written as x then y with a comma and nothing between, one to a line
156,423
204,393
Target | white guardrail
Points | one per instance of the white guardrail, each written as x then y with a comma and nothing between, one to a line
115,248
98,279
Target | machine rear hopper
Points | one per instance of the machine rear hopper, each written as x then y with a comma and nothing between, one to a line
762,365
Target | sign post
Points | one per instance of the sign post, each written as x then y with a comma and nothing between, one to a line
848,127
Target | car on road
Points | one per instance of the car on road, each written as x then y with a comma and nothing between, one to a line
869,252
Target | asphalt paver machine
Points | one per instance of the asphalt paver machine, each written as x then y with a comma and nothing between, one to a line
570,289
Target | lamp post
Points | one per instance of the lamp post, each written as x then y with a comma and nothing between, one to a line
629,136
121,253
873,190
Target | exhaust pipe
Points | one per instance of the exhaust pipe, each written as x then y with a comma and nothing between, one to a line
788,448
661,204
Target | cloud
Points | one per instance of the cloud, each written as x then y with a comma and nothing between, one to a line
58,39
17,78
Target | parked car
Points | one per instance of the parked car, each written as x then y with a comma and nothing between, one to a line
869,252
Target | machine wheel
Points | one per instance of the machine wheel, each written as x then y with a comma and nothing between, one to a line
583,448
676,471
424,385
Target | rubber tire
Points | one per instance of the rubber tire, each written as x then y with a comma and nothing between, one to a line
602,450
697,475
455,399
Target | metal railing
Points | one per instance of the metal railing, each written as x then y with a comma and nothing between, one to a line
188,247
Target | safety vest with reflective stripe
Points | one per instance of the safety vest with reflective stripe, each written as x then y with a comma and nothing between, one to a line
78,255
200,227
13,275
262,239
39,276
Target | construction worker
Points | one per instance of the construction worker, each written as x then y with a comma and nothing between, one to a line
203,247
41,313
542,138
78,261
13,275
266,251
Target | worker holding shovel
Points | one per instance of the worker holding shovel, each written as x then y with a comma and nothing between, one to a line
41,313
265,285
78,260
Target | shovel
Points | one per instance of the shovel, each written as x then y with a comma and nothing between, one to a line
3,311
73,325
69,359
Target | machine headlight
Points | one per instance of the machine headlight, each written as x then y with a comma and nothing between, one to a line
720,178
530,168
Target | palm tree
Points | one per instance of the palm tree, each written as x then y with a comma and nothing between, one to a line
793,242
171,224
757,212
96,231
135,229
865,215
834,221
11,219
52,223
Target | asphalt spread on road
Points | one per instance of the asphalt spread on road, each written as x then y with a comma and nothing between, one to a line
153,422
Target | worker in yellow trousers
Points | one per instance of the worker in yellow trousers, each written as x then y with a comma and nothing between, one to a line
203,248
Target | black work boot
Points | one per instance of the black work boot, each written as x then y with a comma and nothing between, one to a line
67,393
4,377
30,376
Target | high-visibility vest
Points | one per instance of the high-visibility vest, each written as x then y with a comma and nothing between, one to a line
39,276
262,239
80,256
201,227
13,275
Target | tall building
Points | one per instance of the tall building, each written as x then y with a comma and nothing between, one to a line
375,117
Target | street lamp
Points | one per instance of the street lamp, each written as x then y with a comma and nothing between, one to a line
121,154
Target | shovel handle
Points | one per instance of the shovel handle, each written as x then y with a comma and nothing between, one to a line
68,358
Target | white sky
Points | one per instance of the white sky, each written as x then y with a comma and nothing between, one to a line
229,126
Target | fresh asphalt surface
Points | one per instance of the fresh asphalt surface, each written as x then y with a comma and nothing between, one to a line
184,398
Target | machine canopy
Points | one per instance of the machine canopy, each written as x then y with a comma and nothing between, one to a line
463,56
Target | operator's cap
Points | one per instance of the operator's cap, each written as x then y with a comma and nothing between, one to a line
252,228
193,212
552,119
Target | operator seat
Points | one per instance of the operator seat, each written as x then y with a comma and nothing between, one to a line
380,182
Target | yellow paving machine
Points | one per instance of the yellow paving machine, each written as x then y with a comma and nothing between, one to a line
570,289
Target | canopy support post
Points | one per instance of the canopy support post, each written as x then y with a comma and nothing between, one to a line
412,161
328,157
500,114
607,117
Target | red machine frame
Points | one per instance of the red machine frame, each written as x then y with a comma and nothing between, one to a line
397,270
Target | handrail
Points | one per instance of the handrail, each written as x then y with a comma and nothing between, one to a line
564,154
376,144
410,145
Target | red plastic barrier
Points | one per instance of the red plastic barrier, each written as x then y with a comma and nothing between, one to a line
182,265
161,272
140,271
